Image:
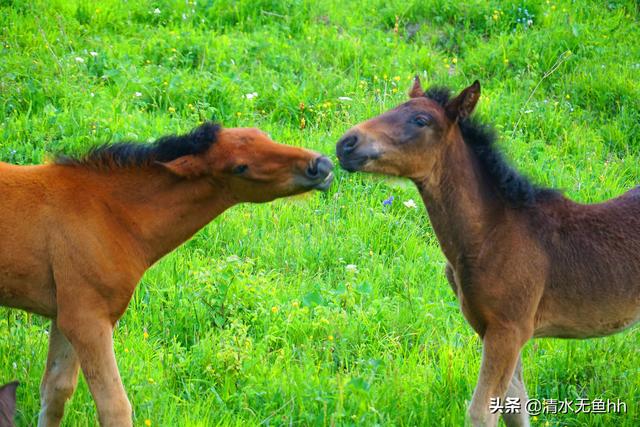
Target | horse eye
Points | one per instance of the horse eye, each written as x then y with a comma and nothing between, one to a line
240,169
423,120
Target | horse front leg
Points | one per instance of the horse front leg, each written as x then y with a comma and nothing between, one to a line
92,340
59,380
500,352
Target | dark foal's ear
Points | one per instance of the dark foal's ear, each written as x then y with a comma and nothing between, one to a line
416,90
8,403
462,105
186,166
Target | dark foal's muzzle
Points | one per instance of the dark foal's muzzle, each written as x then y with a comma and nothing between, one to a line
351,154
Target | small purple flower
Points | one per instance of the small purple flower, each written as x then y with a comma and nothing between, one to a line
387,202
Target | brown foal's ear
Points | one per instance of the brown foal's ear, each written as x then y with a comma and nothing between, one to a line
462,105
8,403
186,166
416,90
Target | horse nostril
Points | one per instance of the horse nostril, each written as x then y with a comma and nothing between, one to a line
312,169
324,166
349,143
319,167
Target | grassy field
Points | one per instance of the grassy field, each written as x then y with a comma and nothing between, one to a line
328,309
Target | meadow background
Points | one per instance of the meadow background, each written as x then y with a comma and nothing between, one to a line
329,309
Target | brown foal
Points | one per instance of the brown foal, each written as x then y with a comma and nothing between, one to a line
523,261
78,235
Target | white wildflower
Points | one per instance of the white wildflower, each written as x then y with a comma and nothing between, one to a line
80,60
251,95
351,268
410,204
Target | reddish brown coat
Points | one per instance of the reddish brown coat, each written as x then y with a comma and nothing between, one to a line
79,234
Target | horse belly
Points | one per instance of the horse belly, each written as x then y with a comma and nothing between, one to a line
588,315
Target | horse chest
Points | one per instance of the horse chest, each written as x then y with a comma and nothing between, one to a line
467,305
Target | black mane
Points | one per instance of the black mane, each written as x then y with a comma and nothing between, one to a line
165,149
516,189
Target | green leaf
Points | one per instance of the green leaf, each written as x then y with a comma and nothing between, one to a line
312,299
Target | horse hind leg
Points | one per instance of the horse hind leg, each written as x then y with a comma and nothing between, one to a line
59,380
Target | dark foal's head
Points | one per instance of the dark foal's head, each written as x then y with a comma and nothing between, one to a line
407,140
252,167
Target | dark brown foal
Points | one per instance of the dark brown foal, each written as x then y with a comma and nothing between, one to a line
79,234
523,261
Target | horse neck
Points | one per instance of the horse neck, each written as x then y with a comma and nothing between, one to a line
461,205
161,210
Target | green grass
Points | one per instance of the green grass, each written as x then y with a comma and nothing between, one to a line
257,320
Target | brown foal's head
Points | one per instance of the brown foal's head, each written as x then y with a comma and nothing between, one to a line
407,140
253,168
